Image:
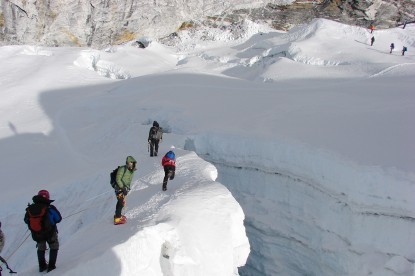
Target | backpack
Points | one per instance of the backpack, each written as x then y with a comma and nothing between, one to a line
170,155
39,222
405,49
159,134
113,178
156,133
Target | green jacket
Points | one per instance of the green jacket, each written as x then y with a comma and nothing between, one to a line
124,175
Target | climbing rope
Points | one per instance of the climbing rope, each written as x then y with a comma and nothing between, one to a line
68,216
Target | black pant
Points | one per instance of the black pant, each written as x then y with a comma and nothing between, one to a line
169,172
154,147
120,204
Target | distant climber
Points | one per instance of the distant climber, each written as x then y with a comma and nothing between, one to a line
41,217
372,28
372,40
169,164
155,136
392,47
123,181
404,49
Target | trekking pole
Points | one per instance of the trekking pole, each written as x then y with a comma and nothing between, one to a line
7,266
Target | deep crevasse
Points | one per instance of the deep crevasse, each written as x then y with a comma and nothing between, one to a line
308,212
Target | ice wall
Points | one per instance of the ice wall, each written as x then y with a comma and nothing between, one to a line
310,213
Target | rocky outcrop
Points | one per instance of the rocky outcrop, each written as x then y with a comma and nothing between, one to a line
96,23
99,23
383,14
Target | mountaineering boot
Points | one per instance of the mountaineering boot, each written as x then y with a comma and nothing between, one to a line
123,218
53,255
42,261
164,187
119,220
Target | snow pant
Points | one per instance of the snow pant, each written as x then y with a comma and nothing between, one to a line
154,147
120,204
52,241
169,172
53,253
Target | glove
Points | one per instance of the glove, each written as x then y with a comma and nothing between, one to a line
125,190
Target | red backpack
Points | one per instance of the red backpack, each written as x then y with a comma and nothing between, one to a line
39,222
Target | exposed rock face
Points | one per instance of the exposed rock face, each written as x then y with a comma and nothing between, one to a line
98,23
383,14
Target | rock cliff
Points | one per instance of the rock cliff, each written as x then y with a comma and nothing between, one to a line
99,23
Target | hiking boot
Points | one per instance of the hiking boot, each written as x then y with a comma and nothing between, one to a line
119,220
164,188
43,265
122,217
53,255
50,268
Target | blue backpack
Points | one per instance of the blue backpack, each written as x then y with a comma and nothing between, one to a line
170,155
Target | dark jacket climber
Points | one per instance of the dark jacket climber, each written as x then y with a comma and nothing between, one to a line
155,136
44,230
392,47
404,49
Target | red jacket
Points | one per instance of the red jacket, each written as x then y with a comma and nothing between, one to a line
168,162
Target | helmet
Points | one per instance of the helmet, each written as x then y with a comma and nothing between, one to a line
44,194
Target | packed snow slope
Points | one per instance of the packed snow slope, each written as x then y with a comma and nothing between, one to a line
311,130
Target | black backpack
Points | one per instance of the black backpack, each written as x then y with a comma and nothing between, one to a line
39,222
113,178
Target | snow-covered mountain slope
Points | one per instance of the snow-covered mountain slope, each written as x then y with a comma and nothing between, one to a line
315,145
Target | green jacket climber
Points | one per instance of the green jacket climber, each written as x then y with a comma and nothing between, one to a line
125,173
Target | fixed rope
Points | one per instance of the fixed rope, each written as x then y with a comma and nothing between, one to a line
27,230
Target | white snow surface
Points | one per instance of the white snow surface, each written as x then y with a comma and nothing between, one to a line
311,132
